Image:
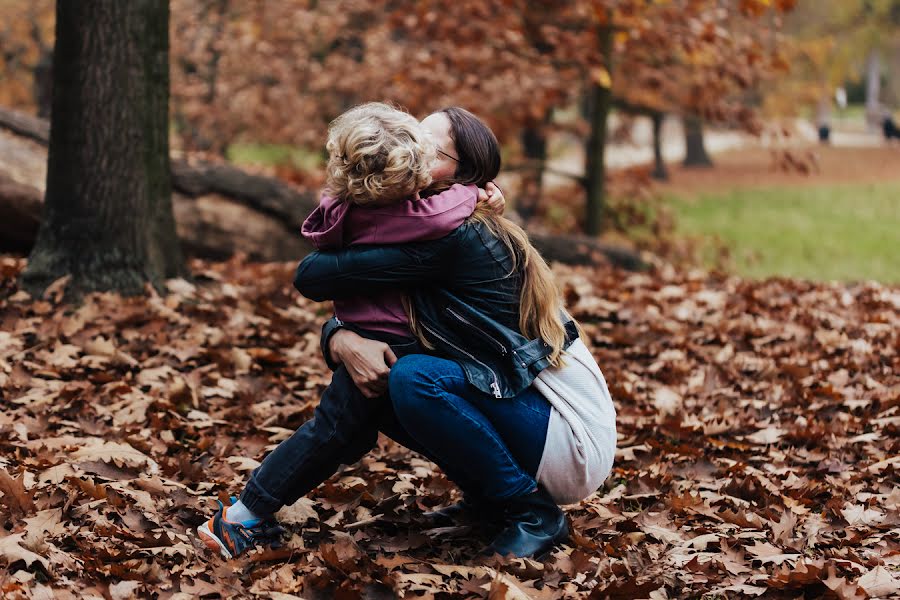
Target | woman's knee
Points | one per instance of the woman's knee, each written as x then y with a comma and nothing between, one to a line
417,380
407,378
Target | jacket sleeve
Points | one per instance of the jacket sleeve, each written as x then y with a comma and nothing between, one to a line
419,220
330,327
360,269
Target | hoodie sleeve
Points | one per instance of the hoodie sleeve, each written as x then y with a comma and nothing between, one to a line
324,227
412,220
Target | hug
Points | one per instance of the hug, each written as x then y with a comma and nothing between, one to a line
449,336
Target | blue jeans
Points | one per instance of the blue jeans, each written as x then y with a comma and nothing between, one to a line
345,427
495,445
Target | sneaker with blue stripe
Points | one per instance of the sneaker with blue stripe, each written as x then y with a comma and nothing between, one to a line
232,538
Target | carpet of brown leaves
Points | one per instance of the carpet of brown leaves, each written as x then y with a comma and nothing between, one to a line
758,452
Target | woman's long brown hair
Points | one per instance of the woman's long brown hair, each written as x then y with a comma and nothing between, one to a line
540,307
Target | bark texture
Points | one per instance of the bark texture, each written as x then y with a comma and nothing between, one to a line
107,217
695,149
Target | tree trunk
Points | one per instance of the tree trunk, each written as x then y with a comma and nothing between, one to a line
660,171
695,149
595,153
873,89
534,146
43,83
107,217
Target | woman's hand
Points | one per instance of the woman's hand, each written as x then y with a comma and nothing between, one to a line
368,361
492,195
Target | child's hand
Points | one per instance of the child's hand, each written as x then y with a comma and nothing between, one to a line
493,197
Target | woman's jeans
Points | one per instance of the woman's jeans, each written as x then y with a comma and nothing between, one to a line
490,448
493,445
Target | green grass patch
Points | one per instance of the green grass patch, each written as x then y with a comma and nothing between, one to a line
841,232
304,159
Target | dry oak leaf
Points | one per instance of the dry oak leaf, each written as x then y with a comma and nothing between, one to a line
119,454
766,553
123,590
12,550
667,401
46,523
783,530
842,588
503,588
15,496
298,513
857,514
879,582
764,437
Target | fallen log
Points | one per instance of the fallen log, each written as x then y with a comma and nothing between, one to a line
219,209
20,213
25,125
583,250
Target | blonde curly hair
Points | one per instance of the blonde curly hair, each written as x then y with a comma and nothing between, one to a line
377,153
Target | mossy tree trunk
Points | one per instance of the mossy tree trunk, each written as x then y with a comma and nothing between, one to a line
107,217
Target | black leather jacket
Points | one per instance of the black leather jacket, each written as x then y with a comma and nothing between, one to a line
466,298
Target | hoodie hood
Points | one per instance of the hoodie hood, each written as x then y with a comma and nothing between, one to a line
324,227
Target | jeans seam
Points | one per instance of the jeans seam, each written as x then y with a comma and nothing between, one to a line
499,441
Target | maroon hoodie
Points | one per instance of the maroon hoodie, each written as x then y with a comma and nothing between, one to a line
335,224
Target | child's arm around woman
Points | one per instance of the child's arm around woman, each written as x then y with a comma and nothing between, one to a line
336,224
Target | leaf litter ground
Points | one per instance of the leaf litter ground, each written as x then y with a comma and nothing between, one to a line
758,447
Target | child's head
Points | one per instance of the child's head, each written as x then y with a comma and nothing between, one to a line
377,154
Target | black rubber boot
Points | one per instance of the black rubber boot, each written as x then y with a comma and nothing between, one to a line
534,524
466,511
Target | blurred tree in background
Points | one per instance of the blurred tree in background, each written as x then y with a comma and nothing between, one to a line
26,54
281,71
834,44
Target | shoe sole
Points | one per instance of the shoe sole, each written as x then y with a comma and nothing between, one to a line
560,538
211,541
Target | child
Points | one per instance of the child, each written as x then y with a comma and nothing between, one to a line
379,160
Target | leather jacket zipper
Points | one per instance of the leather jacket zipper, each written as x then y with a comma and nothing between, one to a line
500,347
495,385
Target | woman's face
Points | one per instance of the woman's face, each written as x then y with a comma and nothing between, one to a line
438,126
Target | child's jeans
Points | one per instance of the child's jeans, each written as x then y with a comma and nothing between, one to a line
344,428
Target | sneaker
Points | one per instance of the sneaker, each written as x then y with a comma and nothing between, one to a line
233,538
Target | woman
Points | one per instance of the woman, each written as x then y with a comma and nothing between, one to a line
508,401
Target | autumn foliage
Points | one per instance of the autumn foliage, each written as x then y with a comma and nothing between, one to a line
280,71
758,450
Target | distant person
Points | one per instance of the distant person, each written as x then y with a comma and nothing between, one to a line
823,120
840,97
889,128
